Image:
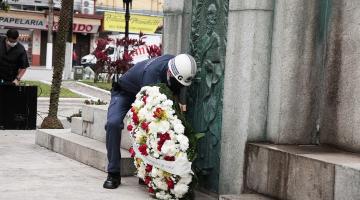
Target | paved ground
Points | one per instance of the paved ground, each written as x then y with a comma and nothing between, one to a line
72,85
67,107
29,172
38,73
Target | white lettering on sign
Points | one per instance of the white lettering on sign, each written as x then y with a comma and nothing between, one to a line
26,23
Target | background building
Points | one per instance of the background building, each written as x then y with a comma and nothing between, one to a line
30,17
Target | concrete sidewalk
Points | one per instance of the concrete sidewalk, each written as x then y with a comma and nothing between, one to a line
29,172
38,73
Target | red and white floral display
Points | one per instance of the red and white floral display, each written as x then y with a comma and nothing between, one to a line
159,144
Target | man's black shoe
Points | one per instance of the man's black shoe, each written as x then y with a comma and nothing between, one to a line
113,181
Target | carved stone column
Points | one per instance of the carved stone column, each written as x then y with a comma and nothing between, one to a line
247,67
177,25
341,110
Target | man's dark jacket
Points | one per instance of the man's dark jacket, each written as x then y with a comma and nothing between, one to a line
11,60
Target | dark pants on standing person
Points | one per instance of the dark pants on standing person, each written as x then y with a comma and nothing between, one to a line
120,104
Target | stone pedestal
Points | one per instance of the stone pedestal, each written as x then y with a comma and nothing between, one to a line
292,110
245,86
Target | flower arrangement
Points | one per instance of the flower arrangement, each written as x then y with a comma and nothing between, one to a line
163,143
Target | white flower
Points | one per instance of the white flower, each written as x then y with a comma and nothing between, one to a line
179,128
184,142
145,114
153,143
156,154
172,134
141,171
185,179
180,190
154,172
140,134
138,103
163,195
157,172
167,103
169,148
159,127
160,183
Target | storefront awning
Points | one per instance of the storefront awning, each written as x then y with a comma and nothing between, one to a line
32,20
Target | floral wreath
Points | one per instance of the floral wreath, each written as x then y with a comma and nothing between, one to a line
163,143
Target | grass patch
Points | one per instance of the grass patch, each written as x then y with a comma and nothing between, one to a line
102,85
45,89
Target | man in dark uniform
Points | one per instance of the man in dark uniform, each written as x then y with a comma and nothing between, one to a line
176,72
13,58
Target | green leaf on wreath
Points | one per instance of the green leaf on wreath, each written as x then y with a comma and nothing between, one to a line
198,136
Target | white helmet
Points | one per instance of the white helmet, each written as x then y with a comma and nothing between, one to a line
183,68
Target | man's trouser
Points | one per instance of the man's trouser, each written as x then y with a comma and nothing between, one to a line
120,104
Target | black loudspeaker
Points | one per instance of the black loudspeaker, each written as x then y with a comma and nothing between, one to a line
18,107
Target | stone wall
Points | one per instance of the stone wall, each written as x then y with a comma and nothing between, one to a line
340,121
294,73
245,87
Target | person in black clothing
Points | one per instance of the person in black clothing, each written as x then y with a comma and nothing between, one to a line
13,59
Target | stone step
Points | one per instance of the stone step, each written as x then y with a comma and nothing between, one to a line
94,119
302,172
88,151
76,125
92,125
244,197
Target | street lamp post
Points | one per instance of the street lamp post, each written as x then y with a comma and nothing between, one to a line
127,4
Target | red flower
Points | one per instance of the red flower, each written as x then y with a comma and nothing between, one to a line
148,168
170,183
130,127
133,110
147,180
163,138
135,118
169,158
159,113
145,126
151,190
144,99
132,152
160,144
143,149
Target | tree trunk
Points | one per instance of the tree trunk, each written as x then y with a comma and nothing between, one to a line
66,14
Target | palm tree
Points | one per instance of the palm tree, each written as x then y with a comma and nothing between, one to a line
66,14
4,5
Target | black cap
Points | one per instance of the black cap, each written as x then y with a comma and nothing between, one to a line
13,34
